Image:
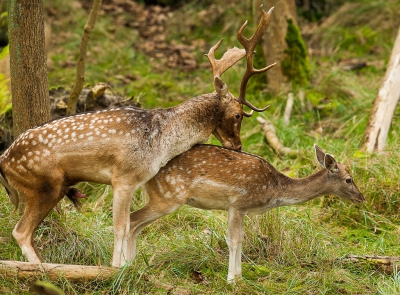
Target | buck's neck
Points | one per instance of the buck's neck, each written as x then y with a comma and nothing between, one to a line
190,123
304,189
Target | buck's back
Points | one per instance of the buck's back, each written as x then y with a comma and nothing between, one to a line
85,143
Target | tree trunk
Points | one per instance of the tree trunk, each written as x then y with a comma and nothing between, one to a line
274,43
54,271
28,68
385,104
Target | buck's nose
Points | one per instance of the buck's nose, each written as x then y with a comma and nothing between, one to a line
229,144
238,147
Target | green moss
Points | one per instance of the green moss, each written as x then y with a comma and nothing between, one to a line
295,66
5,95
3,29
4,52
254,272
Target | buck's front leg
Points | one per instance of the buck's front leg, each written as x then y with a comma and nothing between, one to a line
121,204
238,260
235,223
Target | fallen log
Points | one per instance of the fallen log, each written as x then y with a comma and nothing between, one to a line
384,260
384,263
273,140
52,271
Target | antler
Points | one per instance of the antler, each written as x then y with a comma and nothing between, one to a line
230,57
249,45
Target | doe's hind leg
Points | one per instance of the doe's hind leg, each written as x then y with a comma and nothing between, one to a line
143,217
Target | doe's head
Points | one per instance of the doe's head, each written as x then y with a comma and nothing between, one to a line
339,177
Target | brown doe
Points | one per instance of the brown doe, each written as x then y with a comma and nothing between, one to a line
123,147
211,177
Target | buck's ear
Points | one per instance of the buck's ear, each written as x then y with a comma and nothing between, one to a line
320,155
220,87
330,163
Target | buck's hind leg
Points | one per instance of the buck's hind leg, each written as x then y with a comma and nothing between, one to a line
37,207
141,218
122,192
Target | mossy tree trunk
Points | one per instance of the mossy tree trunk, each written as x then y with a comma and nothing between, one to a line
385,104
274,43
28,68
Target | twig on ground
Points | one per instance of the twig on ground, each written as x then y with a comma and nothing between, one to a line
288,109
273,140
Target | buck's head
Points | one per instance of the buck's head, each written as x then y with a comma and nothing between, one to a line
228,130
339,177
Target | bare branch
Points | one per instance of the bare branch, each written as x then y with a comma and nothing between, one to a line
385,103
80,70
288,109
273,140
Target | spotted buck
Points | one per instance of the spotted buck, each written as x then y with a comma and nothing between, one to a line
211,177
123,147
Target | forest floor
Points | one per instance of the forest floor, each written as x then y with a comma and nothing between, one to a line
155,55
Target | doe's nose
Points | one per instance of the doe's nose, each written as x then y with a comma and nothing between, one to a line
362,198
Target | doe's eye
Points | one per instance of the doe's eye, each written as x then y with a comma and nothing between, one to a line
237,116
348,180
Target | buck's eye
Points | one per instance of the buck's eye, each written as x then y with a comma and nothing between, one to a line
348,180
237,116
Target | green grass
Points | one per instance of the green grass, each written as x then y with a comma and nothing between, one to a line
291,250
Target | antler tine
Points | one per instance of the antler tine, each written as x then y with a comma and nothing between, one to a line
230,57
248,115
249,44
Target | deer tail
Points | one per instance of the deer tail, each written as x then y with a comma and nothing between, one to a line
74,195
12,193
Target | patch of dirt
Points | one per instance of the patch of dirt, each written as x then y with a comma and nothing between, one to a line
151,22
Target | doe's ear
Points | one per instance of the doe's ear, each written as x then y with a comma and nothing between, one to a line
220,87
330,163
320,155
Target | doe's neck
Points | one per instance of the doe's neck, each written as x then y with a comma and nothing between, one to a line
299,190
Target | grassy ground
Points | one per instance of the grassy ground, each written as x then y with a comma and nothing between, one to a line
291,250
